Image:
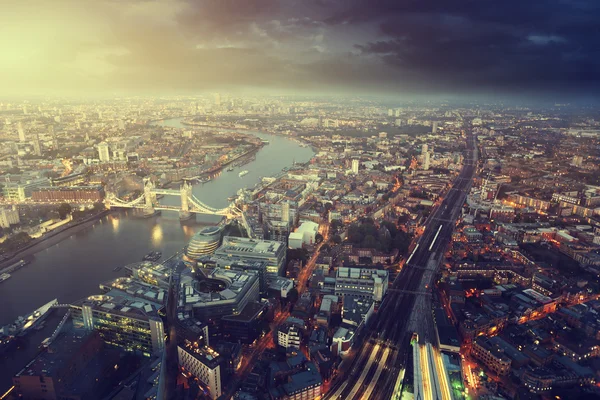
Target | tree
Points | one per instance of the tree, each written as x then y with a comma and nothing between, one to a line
318,238
64,209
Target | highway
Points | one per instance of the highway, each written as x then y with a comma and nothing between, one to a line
406,309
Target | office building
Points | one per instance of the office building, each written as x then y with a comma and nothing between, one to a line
8,217
355,166
577,161
204,243
246,326
424,148
219,292
426,161
434,127
21,131
203,363
245,249
126,322
37,146
368,283
103,152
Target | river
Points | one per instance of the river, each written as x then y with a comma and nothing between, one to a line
73,268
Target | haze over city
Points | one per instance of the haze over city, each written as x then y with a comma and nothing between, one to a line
299,200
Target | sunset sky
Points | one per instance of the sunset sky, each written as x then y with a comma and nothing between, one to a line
532,48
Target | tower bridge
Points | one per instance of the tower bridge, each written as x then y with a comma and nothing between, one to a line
190,204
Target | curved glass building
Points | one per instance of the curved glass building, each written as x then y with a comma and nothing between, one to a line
204,242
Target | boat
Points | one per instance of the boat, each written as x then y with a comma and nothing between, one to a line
153,256
265,141
4,277
230,168
243,173
22,325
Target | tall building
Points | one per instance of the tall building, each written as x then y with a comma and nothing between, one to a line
21,131
103,152
37,147
121,125
25,110
424,148
355,166
434,127
577,161
217,99
426,160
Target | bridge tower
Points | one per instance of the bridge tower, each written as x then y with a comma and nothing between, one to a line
186,193
150,197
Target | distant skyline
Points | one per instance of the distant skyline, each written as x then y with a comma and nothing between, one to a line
541,49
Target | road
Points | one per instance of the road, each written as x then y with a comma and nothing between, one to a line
406,308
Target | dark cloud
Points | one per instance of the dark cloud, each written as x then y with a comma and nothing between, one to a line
510,45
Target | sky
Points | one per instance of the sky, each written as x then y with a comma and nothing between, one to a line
545,48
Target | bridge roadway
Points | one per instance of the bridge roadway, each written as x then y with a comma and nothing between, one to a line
392,326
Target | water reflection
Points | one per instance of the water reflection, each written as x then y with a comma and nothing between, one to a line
157,235
115,223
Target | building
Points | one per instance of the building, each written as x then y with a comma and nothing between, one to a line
355,166
125,322
219,292
491,355
50,375
68,194
203,363
21,191
8,217
368,283
357,312
103,152
303,236
204,243
245,249
289,334
426,161
21,131
246,326
37,147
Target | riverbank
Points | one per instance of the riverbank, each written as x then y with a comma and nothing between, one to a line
50,239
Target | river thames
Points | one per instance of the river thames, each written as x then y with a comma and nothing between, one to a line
73,268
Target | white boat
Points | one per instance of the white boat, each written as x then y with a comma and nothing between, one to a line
243,173
4,277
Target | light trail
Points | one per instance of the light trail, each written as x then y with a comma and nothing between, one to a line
413,253
435,237
442,377
364,373
427,384
381,363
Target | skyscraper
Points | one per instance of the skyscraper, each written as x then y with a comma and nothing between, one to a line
424,149
217,99
21,131
121,125
355,166
103,152
37,147
434,127
426,161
